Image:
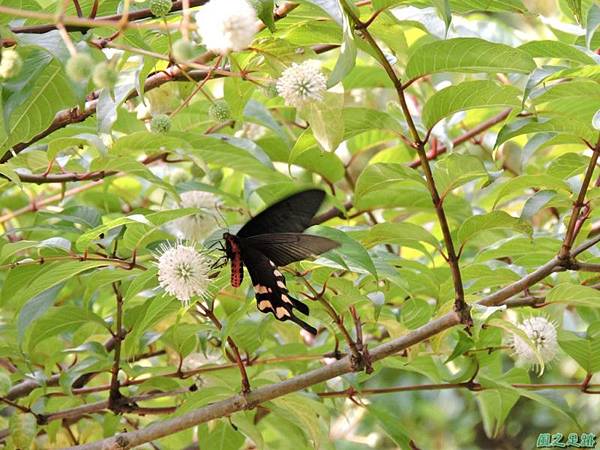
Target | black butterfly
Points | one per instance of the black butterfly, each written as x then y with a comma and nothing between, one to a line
274,238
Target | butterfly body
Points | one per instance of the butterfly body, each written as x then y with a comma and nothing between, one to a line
232,250
274,238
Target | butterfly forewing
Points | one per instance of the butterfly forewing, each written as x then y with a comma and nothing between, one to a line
290,215
274,238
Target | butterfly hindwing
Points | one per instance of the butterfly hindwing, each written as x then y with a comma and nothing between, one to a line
285,248
290,215
271,291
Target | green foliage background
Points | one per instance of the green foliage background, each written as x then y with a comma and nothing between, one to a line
508,103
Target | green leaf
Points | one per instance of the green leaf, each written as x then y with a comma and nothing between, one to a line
31,109
381,184
467,55
306,153
350,255
528,125
36,307
325,119
87,238
491,221
245,422
574,100
575,7
140,283
219,152
347,58
147,142
464,343
182,337
402,233
8,170
264,11
237,92
222,436
591,72
593,22
360,120
50,275
392,425
455,169
497,400
61,320
415,313
556,49
468,95
304,411
154,310
153,220
584,350
568,165
574,294
530,181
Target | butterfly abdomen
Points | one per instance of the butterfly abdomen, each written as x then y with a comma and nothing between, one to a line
237,270
234,253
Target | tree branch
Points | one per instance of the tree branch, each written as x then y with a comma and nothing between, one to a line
460,305
445,386
82,24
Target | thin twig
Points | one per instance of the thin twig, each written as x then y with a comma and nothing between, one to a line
82,24
571,234
114,396
238,358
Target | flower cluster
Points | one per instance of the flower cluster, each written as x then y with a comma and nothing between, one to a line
10,63
227,25
542,334
303,83
196,226
183,272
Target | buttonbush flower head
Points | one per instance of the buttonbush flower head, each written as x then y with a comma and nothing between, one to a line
303,83
160,8
80,67
183,272
196,226
227,25
219,111
10,63
105,76
160,123
542,334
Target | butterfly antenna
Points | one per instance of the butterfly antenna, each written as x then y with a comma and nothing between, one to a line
225,224
214,244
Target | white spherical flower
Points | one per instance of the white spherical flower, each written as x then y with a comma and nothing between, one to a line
542,334
196,226
183,272
303,83
227,25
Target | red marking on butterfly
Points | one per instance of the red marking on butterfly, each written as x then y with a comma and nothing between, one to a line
232,249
